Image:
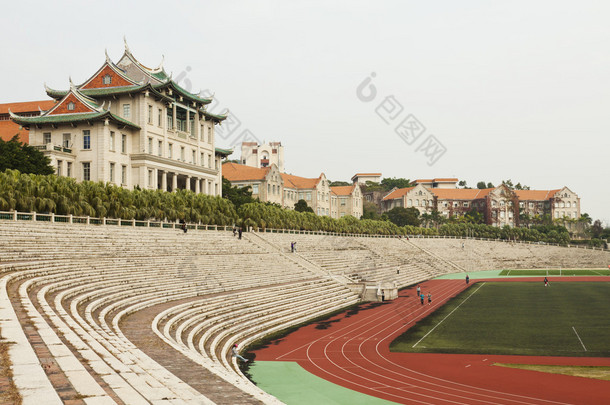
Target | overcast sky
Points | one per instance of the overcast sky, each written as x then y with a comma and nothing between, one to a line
508,90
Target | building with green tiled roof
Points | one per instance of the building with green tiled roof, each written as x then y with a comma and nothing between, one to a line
131,125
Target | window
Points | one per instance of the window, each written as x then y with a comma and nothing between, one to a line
112,143
465,204
150,178
59,164
112,172
159,115
69,169
46,138
123,174
86,139
71,106
194,157
216,163
255,189
150,116
67,141
268,188
308,196
170,150
210,134
86,171
160,149
202,159
182,153
107,79
569,204
123,143
126,110
343,202
210,161
150,141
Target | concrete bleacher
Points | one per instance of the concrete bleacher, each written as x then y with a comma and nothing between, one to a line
74,291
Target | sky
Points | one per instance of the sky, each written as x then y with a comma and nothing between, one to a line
477,90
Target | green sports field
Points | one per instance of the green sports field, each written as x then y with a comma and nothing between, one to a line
556,272
520,318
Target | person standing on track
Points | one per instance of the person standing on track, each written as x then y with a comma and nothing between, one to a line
546,281
418,291
421,298
467,279
429,298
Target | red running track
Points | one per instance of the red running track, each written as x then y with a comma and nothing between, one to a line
352,350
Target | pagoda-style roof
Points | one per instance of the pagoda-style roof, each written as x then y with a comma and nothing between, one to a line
73,108
129,76
223,152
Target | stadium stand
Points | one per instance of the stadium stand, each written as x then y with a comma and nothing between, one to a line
93,312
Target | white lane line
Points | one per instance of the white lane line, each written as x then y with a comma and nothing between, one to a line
448,315
583,345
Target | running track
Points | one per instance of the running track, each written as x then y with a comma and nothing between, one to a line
352,350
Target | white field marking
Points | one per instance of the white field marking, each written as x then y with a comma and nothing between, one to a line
441,381
508,274
596,272
583,345
467,366
448,315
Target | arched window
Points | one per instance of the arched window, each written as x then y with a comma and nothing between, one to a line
417,203
107,79
71,106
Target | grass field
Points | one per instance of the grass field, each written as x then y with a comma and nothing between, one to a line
521,318
557,272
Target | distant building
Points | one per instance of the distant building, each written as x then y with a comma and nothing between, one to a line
438,183
499,206
8,128
268,184
262,155
362,178
130,125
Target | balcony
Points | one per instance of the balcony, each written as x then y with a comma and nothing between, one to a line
50,147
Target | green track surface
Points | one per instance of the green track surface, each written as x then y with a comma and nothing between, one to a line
521,318
292,384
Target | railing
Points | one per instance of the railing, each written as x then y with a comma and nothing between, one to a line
48,146
86,220
72,219
362,235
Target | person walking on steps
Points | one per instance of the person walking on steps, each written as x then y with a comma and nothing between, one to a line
235,353
239,232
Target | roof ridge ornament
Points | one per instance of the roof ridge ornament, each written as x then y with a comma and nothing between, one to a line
126,46
107,57
72,86
160,67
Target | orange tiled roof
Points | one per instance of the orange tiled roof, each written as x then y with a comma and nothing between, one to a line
535,195
26,106
342,190
8,129
292,181
236,172
399,192
460,193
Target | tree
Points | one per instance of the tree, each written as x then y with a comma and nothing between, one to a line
389,183
597,229
481,185
237,195
490,185
404,216
369,210
339,183
17,155
462,184
301,206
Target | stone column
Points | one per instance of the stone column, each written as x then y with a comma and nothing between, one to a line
197,185
164,180
188,182
174,181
